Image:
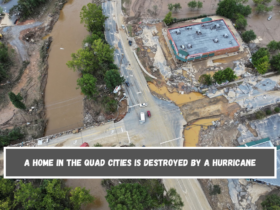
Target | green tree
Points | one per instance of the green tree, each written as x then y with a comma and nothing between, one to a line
26,8
113,79
129,196
173,200
1,10
111,106
170,7
270,202
248,36
199,4
215,190
275,62
241,22
229,74
87,83
16,100
27,196
260,115
177,6
94,36
226,8
219,77
95,60
168,18
263,8
93,17
9,136
273,45
80,196
192,4
7,187
278,2
268,112
205,79
241,1
262,65
277,109
262,52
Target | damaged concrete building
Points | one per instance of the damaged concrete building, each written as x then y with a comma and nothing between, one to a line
202,40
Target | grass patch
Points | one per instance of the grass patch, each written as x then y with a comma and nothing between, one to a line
138,49
149,79
129,29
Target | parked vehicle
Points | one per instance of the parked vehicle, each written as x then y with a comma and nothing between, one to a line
142,117
269,18
127,83
149,114
143,105
130,43
84,145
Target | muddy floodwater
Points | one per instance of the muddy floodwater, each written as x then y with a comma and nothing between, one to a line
178,99
96,190
191,133
64,103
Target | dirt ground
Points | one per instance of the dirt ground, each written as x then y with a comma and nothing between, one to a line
159,8
221,201
208,107
28,80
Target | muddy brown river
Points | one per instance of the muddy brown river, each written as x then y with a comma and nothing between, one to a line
64,103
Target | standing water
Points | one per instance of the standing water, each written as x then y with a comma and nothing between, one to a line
64,103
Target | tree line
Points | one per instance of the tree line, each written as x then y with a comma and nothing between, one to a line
41,194
96,59
26,8
219,77
141,194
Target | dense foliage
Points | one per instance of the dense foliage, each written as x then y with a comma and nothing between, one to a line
241,22
113,79
193,4
230,9
168,18
7,136
248,36
271,202
93,17
273,45
16,100
224,75
87,83
5,62
50,194
142,194
175,6
26,8
260,60
275,62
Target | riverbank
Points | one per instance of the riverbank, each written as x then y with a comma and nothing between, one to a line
28,75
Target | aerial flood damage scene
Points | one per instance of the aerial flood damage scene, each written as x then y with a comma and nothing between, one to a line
140,73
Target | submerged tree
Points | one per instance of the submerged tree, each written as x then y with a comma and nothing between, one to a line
16,100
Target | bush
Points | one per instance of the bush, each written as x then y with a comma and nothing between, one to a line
26,8
225,75
275,62
7,137
215,190
111,105
98,145
271,202
168,19
259,115
268,112
248,36
16,100
276,109
205,79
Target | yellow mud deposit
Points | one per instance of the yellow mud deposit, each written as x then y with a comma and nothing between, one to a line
178,99
191,133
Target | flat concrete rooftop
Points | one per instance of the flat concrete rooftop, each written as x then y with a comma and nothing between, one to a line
203,42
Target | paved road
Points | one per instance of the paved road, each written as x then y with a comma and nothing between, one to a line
166,122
